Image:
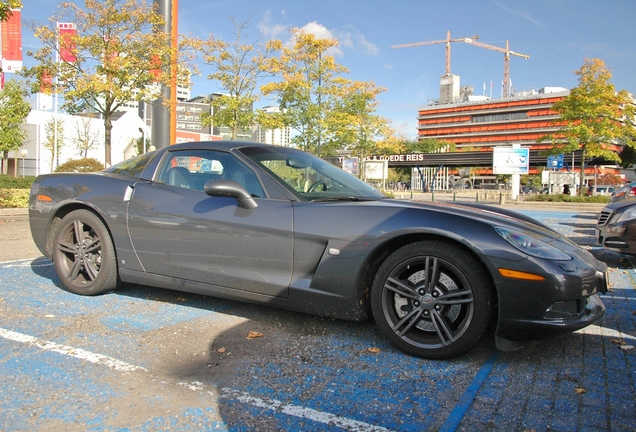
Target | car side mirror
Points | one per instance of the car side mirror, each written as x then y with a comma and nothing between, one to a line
229,188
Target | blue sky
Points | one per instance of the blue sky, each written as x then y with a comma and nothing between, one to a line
557,34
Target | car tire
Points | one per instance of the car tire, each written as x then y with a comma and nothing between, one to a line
438,319
84,255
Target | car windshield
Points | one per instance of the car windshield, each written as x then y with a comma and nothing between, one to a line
132,167
310,177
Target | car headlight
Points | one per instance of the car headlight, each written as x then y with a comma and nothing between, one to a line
628,214
531,245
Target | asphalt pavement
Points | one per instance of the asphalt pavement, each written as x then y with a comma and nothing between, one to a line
145,359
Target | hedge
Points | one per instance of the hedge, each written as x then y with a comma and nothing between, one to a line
14,198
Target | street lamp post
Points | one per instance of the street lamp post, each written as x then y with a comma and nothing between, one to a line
23,153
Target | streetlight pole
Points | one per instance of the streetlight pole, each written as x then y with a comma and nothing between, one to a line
23,153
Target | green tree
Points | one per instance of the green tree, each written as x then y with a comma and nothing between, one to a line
309,84
141,146
237,66
593,118
14,109
117,58
54,141
352,123
6,6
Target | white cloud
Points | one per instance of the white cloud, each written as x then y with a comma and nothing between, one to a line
520,13
354,39
318,30
349,38
322,32
272,30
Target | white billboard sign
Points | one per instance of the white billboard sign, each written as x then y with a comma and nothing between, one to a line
508,160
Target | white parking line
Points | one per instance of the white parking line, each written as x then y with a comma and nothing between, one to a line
298,411
270,404
28,262
79,353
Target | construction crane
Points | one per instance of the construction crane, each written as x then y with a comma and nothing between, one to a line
507,53
447,41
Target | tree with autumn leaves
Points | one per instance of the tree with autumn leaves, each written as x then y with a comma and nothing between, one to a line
237,66
112,59
328,111
13,105
6,6
14,109
594,118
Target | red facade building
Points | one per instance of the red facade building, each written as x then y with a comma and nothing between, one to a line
480,125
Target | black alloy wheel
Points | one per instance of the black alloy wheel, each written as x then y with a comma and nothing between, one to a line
84,255
432,299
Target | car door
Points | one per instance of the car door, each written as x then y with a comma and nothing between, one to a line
178,230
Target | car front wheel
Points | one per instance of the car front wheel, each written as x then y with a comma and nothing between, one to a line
83,254
432,299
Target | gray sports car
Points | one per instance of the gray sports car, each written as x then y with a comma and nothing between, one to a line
280,227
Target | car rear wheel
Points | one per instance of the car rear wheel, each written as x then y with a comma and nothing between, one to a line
432,299
83,254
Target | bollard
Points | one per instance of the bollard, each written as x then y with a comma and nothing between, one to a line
433,196
477,197
502,199
454,196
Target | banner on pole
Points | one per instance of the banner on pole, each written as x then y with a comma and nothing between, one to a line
67,32
12,42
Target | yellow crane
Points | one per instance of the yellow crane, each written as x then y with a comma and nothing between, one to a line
447,41
507,53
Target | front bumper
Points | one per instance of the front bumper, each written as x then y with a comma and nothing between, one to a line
620,237
566,301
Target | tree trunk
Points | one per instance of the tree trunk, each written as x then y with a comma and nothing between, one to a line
235,127
582,172
108,128
5,162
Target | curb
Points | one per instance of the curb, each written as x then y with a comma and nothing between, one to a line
14,211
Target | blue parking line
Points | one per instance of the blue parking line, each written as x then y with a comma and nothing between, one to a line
457,414
505,389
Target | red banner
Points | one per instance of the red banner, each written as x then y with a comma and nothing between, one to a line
155,61
46,83
12,43
67,32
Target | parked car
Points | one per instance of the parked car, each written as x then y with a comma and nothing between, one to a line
616,227
530,190
624,192
601,190
280,227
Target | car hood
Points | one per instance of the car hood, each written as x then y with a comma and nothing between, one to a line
620,205
487,214
502,217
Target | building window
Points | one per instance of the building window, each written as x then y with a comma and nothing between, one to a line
499,117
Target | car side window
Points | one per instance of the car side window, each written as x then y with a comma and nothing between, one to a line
191,169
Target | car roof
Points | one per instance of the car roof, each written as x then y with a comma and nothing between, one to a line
217,145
